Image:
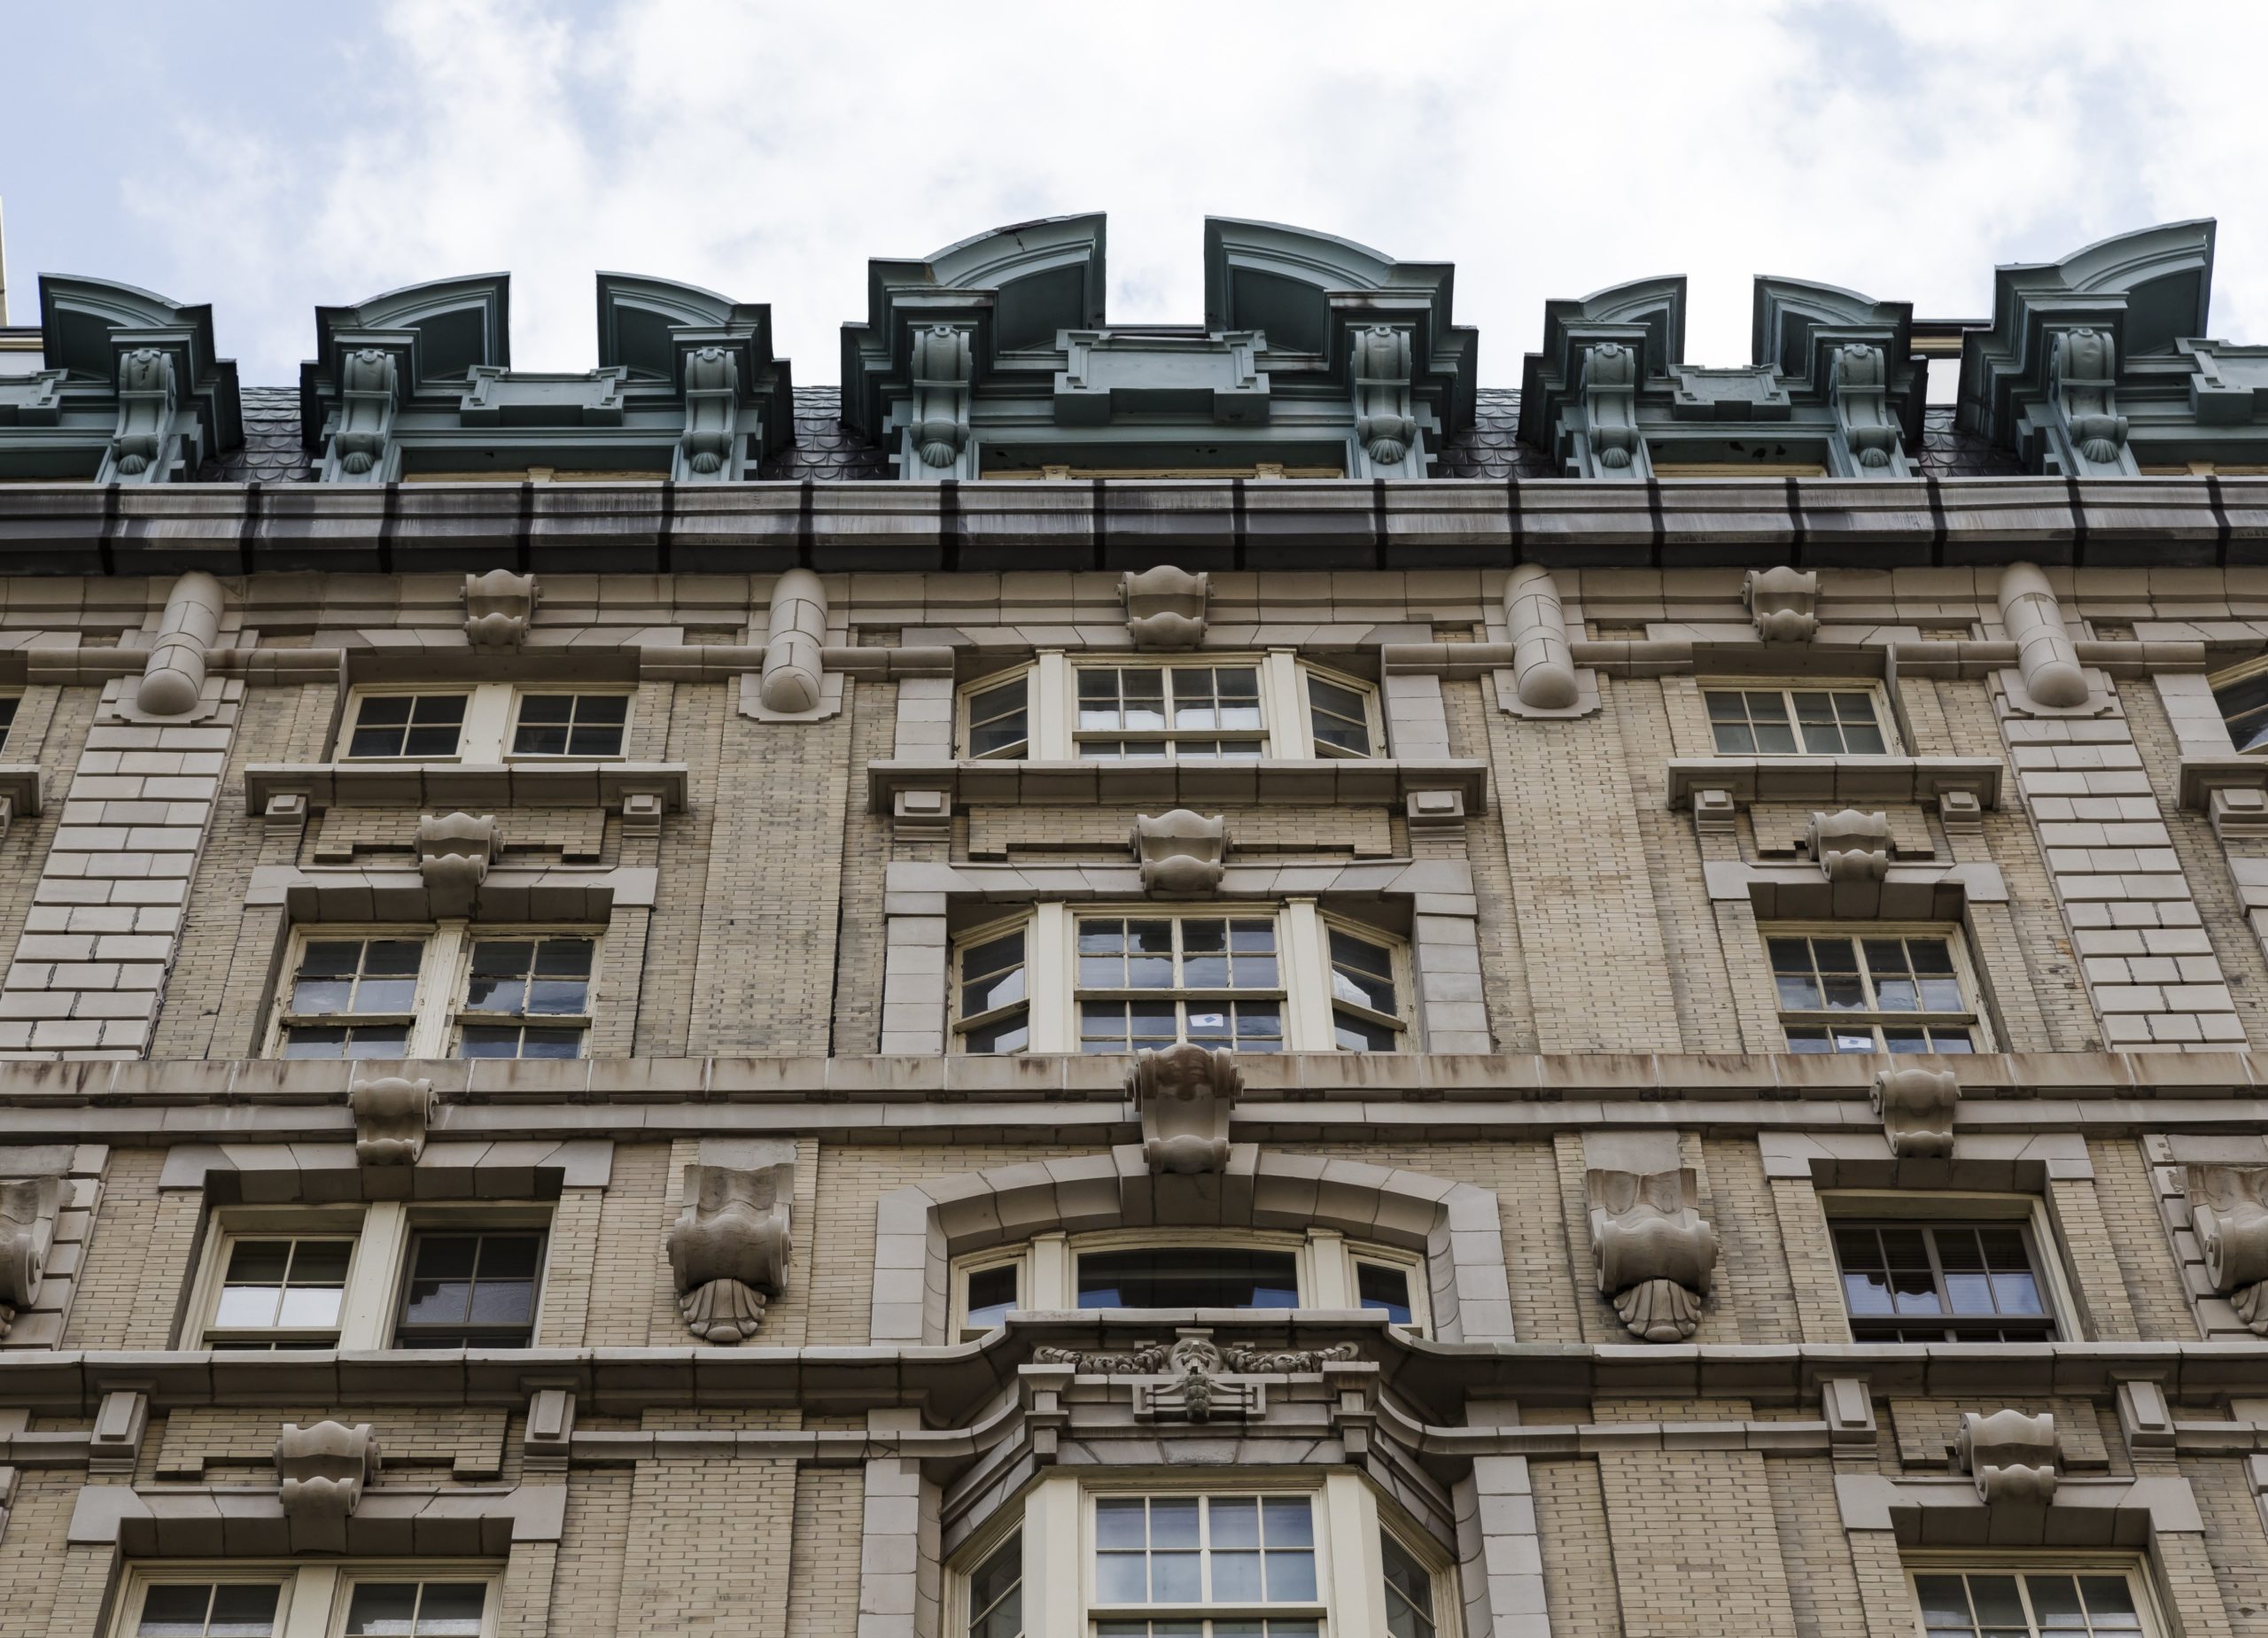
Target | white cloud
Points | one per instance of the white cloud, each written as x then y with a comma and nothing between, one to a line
767,151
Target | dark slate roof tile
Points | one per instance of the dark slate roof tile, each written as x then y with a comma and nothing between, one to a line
825,449
272,453
1490,447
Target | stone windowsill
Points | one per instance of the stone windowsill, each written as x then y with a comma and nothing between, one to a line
466,786
1843,781
1323,782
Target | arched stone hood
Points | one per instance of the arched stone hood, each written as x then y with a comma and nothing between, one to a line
1315,353
421,378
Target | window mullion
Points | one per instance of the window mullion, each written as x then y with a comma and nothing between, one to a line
487,719
308,1594
1052,707
365,1308
1283,709
1051,966
1304,965
438,983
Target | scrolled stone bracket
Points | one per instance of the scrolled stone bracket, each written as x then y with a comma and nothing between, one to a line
2228,1207
1182,854
392,1117
1783,602
1184,1096
322,1471
1849,845
728,1249
29,1210
1915,1106
2013,1457
1165,607
455,851
1655,1255
498,607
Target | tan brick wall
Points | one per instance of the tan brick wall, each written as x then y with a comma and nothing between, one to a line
33,1571
867,851
1579,1575
692,1560
440,1440
1472,711
1691,1571
1815,1551
2153,1290
586,1591
51,726
137,1266
823,1563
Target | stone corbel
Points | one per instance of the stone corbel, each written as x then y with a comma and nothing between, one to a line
709,449
29,1210
1182,854
1165,607
921,816
362,450
642,813
1655,1255
728,1248
144,446
1184,1095
323,1471
2013,1457
497,605
2047,662
1849,846
1783,602
2228,1205
1617,447
392,1116
2083,385
1917,1107
1385,423
1859,390
453,853
939,442
794,685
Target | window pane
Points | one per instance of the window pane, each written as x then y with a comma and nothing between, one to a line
991,1295
382,1607
1189,1277
1943,1599
451,1609
1385,1288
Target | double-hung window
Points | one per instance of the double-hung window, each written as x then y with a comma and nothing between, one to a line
1760,721
450,990
1198,709
1218,1565
280,1290
470,1288
2012,1600
1886,991
484,723
1101,981
334,1600
1912,1280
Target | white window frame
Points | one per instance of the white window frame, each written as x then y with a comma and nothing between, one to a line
1934,1207
1877,698
438,1012
1974,1018
314,1598
377,1272
492,715
1059,1537
1286,719
1048,1267
2040,1561
1303,956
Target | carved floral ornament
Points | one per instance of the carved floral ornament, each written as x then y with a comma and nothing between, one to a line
728,1249
2228,1206
1655,1255
1203,1379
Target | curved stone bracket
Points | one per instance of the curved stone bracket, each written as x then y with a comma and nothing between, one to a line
728,1249
1183,1096
322,1470
1917,1107
1783,602
29,1211
146,445
1612,443
794,683
1543,681
1183,855
455,851
1849,845
2228,1207
392,1117
1655,1255
1386,422
936,440
2083,387
498,607
1868,438
2013,1457
362,448
1165,607
710,449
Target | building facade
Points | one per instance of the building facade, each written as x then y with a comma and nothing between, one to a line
1187,981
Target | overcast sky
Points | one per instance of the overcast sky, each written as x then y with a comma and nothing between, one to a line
268,157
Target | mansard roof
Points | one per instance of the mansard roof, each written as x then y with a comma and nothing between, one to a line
2100,364
421,379
1832,383
994,354
132,391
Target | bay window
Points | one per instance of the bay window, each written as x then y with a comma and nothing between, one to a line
1153,708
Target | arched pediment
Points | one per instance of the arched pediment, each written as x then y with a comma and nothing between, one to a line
449,326
642,322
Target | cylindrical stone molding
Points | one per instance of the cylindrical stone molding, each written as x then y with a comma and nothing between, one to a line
792,669
1544,667
174,679
2050,664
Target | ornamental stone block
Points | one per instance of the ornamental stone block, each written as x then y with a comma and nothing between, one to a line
1783,602
28,1208
2012,1456
497,605
1655,1255
392,1116
1183,855
323,1469
1165,607
728,1249
2228,1206
1916,1108
1849,845
1184,1095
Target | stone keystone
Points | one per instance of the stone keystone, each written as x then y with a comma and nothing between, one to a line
1184,1095
392,1115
